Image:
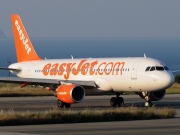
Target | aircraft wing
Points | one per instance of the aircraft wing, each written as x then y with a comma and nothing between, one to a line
176,72
35,81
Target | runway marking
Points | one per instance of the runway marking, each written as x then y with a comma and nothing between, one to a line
171,131
16,133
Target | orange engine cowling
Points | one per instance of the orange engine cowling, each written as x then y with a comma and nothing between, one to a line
70,93
154,96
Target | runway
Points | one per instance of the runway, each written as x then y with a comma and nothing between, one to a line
147,127
21,104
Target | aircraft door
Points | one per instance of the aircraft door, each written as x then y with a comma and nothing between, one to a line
134,70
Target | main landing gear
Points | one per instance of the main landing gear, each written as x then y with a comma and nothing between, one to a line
147,103
61,104
117,101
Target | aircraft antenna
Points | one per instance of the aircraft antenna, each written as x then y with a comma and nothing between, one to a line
72,57
144,55
8,62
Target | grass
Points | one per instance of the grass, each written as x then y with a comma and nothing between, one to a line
57,116
174,89
12,90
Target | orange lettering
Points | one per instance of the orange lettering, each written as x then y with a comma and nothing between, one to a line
117,68
92,67
54,69
99,68
68,70
106,70
46,68
61,68
76,71
84,68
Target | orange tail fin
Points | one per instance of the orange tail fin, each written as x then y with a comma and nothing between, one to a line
24,48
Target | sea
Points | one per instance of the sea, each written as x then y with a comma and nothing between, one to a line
164,49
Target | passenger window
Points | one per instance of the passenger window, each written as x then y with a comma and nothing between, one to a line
147,69
152,69
159,68
166,68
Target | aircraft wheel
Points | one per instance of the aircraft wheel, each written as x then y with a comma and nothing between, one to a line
60,104
120,101
113,101
148,104
67,105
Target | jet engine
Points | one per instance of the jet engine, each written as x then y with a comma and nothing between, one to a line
153,96
71,93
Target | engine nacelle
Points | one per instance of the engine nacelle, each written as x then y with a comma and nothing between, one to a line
153,96
70,93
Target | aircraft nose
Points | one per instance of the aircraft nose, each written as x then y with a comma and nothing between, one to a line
168,80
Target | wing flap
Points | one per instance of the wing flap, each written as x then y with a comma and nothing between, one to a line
82,83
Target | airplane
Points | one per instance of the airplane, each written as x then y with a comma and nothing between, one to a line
71,78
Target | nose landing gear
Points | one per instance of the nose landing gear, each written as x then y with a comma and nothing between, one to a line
147,103
117,101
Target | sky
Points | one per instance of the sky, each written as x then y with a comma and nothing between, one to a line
93,18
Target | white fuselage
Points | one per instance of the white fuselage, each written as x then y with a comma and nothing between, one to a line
117,74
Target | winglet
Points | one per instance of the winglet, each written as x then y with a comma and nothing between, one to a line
24,48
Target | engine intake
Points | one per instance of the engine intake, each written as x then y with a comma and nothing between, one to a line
154,96
70,93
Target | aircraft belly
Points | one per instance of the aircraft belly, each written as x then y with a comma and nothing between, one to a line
125,84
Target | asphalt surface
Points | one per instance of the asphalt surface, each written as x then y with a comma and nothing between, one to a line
155,127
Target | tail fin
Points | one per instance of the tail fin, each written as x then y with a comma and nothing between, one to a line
24,48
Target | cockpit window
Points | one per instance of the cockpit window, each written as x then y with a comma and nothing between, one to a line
159,68
152,69
147,69
166,68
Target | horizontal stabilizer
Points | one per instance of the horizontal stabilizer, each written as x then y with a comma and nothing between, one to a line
2,68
